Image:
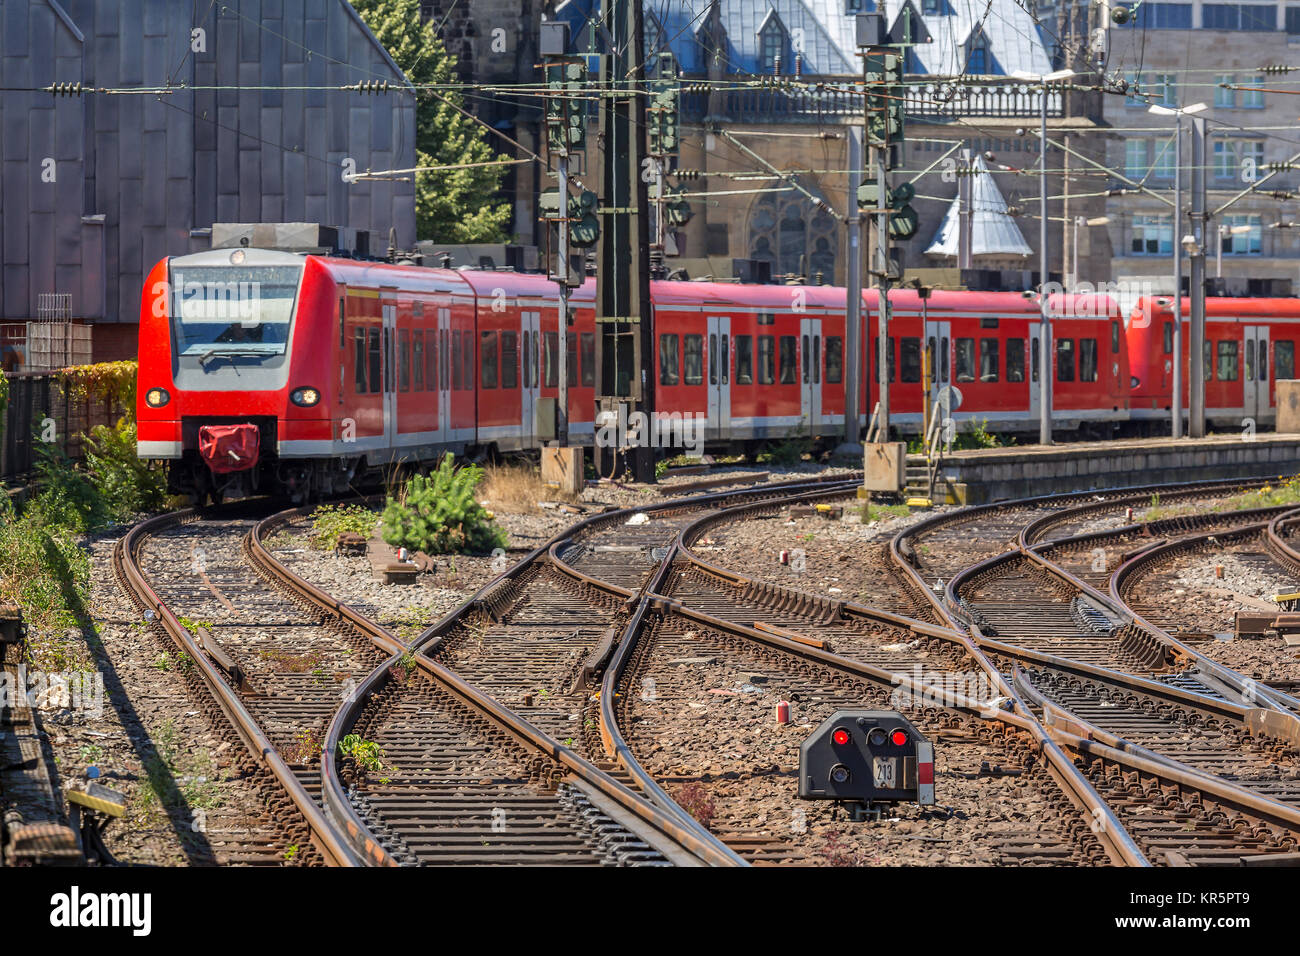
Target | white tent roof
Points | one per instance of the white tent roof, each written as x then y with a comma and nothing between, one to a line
993,231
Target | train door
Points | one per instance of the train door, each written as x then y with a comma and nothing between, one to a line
810,342
443,365
388,319
1256,393
719,426
530,326
938,344
1035,370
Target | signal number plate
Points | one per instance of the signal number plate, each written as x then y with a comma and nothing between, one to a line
884,771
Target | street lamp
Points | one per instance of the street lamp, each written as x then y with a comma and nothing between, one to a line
1177,113
1044,313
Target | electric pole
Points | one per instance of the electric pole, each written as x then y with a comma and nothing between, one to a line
1196,282
853,307
1177,405
624,316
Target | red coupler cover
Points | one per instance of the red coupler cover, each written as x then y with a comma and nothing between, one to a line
229,448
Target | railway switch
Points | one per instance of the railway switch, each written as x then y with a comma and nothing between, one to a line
865,759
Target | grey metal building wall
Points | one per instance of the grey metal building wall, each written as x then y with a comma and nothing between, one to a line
137,173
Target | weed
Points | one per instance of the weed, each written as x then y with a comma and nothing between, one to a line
695,800
91,753
837,852
330,521
305,748
366,754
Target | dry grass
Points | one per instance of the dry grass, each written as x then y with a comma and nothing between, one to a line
514,488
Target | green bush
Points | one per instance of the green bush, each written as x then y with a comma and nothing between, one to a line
125,482
329,521
440,515
46,573
68,499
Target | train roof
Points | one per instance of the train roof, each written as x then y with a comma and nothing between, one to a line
1224,306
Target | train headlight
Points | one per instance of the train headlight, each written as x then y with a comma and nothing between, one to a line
1134,381
156,397
306,397
840,774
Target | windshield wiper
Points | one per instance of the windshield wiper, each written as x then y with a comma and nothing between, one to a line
228,353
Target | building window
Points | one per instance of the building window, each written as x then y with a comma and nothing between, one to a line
1252,99
1259,17
1152,236
1293,21
1162,16
1135,158
1235,159
771,44
1163,166
1254,17
793,235
1225,99
1145,89
1248,242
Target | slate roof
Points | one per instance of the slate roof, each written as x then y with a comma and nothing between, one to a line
993,231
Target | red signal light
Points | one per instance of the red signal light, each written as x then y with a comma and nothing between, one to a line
899,737
840,736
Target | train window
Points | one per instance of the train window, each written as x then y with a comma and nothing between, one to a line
988,360
889,343
1227,362
693,360
744,360
724,358
1114,335
668,369
469,359
376,362
1284,359
527,359
431,361
1169,338
965,360
713,358
910,355
803,354
588,346
404,359
1250,360
551,359
1209,361
1087,360
1015,360
388,360
509,359
989,323
1034,358
766,360
943,360
343,342
767,318
789,360
571,353
417,359
359,361
487,356
834,359
455,360
1263,362
817,359
1065,360
441,379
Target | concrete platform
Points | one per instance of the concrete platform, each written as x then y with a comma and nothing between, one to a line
995,474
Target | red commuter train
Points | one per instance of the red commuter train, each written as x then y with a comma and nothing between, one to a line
265,370
1249,345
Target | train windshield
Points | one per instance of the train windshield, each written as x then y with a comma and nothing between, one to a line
229,310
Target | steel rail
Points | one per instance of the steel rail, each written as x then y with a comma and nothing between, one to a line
335,845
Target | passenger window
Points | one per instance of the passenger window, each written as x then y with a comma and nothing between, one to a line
509,359
910,367
404,359
487,356
965,360
744,360
376,363
724,357
1015,360
834,360
1263,361
1227,361
551,359
469,359
571,351
1065,360
417,359
359,361
668,369
713,358
1168,338
431,361
1087,360
693,360
805,356
588,344
789,360
1284,359
943,360
817,359
455,361
1114,335
766,360
988,360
